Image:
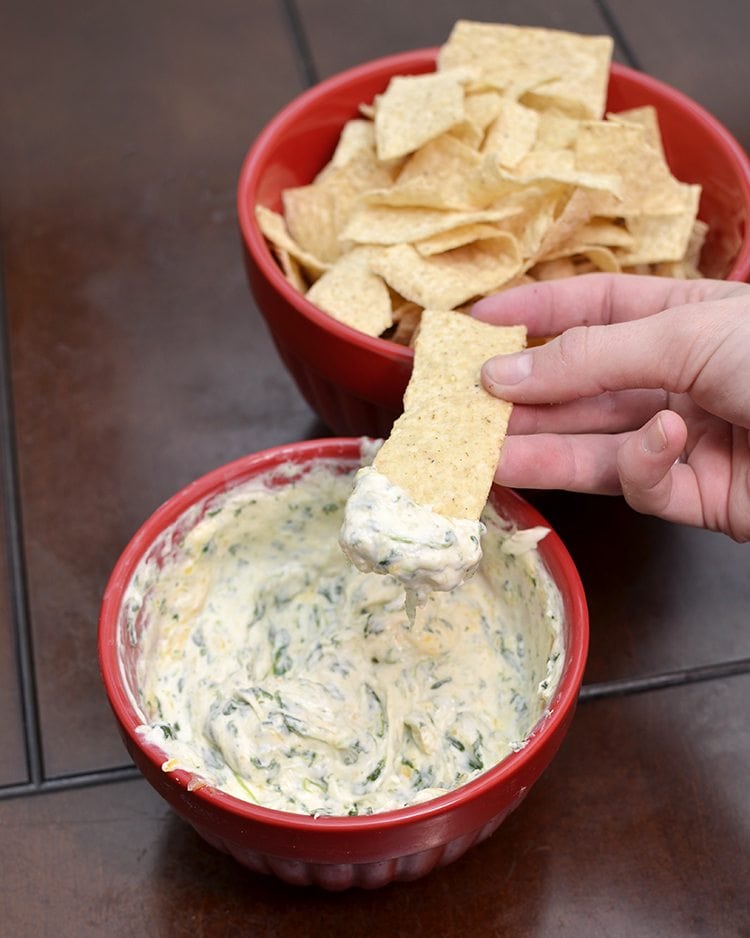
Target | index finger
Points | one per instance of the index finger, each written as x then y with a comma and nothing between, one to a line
552,306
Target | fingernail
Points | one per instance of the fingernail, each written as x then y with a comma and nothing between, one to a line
654,437
508,369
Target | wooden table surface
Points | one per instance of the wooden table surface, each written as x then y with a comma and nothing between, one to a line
134,360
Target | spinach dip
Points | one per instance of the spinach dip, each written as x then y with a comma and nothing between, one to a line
274,670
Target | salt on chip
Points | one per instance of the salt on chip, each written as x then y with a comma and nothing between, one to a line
415,109
444,449
353,294
447,280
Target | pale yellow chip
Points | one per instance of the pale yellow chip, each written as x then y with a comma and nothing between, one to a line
512,134
292,270
647,184
468,133
575,213
353,294
357,138
556,131
444,448
447,280
567,71
457,238
645,117
273,227
415,109
539,209
384,224
662,237
311,216
560,166
482,107
605,231
441,174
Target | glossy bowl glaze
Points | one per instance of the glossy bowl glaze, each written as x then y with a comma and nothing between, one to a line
339,852
355,383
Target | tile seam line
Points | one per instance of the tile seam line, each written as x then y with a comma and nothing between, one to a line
617,33
589,692
680,677
15,555
305,61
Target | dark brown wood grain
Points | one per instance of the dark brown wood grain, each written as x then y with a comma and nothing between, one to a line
138,361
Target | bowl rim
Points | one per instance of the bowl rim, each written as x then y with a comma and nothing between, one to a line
347,449
250,172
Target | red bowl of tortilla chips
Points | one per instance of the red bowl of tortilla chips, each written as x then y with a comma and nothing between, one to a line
355,381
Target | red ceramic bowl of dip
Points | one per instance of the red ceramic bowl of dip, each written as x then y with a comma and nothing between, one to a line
355,383
339,852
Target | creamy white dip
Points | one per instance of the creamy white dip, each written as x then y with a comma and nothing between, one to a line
386,531
273,669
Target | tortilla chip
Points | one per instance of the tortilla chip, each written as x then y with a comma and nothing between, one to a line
357,138
310,213
482,107
441,174
645,117
576,212
273,227
456,238
384,224
415,109
444,448
446,280
512,134
353,294
647,185
554,68
662,237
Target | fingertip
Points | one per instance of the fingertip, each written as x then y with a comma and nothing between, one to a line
645,461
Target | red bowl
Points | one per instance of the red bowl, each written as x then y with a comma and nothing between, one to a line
355,383
338,852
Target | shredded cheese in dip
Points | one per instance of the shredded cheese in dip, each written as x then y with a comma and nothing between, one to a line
386,531
274,670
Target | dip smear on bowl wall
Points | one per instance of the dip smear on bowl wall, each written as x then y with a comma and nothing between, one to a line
355,382
335,851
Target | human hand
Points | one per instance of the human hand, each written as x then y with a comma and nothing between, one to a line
645,393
